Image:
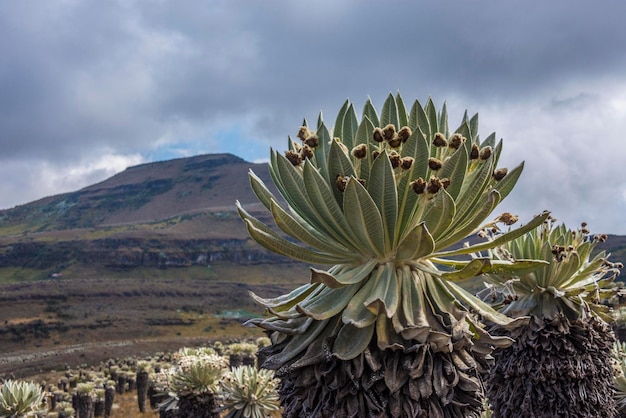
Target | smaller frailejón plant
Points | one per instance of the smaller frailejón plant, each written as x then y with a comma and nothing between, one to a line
385,201
193,384
250,393
19,398
560,363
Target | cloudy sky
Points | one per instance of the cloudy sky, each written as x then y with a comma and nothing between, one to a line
88,88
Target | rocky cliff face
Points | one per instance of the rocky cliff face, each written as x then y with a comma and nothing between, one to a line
131,253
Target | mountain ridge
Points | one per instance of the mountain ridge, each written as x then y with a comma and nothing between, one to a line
143,193
173,213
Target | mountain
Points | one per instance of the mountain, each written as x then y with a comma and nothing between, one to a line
141,194
172,213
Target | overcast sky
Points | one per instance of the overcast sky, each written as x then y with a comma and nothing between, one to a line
88,88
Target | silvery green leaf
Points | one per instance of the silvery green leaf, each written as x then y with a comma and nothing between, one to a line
364,218
352,341
389,114
403,118
303,232
260,190
418,243
369,111
440,214
327,303
382,189
349,127
339,164
329,215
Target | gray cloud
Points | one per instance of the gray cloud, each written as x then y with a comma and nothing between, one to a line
87,85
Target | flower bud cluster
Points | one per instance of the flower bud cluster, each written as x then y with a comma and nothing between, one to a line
310,141
389,139
421,186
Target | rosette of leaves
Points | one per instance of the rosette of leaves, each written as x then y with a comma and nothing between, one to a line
194,385
560,363
250,393
385,201
18,398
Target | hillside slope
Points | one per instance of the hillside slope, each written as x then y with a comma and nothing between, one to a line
141,194
173,213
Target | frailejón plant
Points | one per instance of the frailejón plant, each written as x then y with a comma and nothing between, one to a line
560,363
18,398
250,393
385,200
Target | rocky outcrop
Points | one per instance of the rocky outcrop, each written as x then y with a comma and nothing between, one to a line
131,253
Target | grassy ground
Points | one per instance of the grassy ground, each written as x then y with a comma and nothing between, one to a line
48,324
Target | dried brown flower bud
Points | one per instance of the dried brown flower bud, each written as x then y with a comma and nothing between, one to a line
508,218
395,142
445,182
378,135
440,140
341,182
559,252
557,249
362,181
312,141
434,164
601,237
456,140
485,153
404,134
293,157
306,152
303,133
434,185
418,185
474,153
585,231
406,163
389,132
500,173
360,151
583,224
395,159
375,154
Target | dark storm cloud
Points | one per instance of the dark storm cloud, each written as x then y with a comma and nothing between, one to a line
92,85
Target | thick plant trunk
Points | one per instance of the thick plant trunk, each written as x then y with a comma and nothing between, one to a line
142,389
234,360
98,410
121,383
109,397
411,382
84,406
248,361
197,406
555,368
